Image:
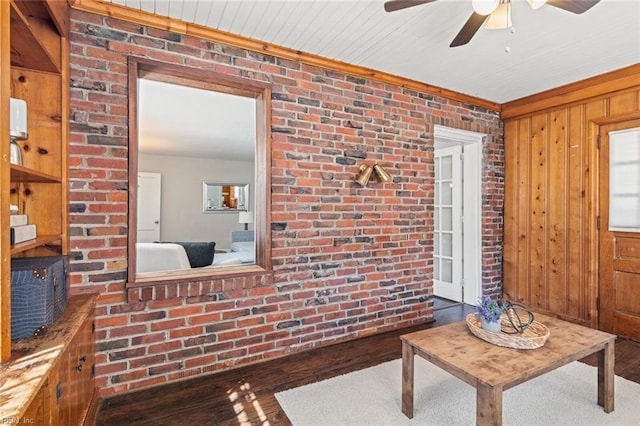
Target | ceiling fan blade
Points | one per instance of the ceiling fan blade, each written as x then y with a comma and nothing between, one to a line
573,6
469,29
393,5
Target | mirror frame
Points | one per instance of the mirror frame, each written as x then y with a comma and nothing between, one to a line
208,80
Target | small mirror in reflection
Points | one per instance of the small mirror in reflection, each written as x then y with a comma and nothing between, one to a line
224,197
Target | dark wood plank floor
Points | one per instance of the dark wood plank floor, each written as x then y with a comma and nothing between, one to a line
245,395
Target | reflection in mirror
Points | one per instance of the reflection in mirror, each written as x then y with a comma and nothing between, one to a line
225,197
193,135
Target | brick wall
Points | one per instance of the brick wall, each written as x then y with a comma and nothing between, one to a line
347,261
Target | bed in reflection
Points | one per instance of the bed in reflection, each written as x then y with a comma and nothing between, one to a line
168,256
242,250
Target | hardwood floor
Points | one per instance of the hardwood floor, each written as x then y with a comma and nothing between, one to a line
245,395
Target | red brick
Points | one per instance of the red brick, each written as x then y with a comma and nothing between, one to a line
146,361
166,325
231,335
201,360
163,348
203,319
185,311
185,332
127,331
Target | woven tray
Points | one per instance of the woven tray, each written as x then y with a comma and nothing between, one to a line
533,337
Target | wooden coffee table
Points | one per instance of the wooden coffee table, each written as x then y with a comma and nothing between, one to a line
493,369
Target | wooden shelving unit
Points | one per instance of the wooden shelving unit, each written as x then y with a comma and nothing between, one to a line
47,379
34,67
23,174
38,242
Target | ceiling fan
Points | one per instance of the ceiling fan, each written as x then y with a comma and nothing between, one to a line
497,11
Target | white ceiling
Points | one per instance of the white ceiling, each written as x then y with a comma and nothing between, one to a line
549,47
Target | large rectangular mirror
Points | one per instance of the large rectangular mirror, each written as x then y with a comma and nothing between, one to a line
202,139
224,197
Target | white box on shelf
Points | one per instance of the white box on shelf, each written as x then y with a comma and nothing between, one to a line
18,219
20,234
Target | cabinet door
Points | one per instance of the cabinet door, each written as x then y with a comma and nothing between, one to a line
74,378
62,391
38,412
54,392
82,359
75,371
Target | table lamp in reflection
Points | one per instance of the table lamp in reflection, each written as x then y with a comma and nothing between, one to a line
246,218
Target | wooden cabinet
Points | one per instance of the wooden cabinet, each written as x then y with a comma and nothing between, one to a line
50,379
33,67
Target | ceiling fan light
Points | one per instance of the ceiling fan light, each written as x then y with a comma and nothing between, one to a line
536,4
500,19
484,7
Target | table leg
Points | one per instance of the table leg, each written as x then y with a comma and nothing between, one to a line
488,405
407,379
606,374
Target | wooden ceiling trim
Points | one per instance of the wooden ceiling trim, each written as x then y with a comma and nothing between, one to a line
176,26
621,79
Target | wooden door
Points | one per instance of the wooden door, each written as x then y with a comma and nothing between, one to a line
619,275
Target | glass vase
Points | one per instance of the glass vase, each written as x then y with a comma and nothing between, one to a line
492,326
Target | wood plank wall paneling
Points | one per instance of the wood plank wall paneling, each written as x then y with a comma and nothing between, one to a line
576,212
556,207
551,170
537,215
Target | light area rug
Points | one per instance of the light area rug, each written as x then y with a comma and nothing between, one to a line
565,396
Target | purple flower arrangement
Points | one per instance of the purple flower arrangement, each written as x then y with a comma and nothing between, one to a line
490,309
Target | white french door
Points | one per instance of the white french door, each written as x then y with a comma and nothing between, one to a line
447,247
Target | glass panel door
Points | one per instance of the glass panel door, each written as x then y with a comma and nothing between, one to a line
447,250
